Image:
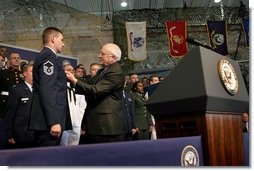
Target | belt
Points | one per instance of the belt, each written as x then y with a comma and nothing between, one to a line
5,93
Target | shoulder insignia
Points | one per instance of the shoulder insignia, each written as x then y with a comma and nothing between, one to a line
48,68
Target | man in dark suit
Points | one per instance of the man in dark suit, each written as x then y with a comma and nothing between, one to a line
103,120
17,113
245,121
8,78
49,112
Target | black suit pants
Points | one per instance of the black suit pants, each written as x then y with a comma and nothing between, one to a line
44,138
90,139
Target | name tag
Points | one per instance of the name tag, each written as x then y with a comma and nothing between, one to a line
5,93
24,99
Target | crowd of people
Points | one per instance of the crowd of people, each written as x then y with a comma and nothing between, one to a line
46,104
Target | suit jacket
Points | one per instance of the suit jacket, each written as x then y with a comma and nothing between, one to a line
49,104
244,127
17,114
103,115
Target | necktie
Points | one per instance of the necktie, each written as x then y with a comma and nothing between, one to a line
71,92
246,128
103,71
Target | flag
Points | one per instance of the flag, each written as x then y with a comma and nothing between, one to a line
217,33
136,39
176,32
245,24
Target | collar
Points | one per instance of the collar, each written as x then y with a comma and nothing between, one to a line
50,49
14,69
29,86
68,84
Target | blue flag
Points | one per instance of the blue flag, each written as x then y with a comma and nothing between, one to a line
217,33
245,23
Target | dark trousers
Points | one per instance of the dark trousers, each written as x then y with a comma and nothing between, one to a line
128,137
143,134
91,139
44,138
3,103
21,145
3,138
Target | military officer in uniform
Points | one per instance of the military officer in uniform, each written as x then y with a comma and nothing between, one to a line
9,77
17,113
143,117
49,114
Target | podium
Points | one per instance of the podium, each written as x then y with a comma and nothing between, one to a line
204,95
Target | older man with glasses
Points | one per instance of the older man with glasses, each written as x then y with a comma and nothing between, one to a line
103,120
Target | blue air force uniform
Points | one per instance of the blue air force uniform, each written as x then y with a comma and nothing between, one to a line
49,106
17,116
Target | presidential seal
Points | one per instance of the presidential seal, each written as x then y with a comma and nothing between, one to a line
189,156
228,76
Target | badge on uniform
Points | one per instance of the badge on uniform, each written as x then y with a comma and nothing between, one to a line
24,100
48,68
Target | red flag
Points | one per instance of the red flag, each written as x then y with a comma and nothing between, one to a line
176,31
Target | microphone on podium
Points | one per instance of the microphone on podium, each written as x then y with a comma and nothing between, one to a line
198,43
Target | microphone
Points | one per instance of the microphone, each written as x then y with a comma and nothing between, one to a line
198,43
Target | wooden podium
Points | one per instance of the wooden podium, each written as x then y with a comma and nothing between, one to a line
204,95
